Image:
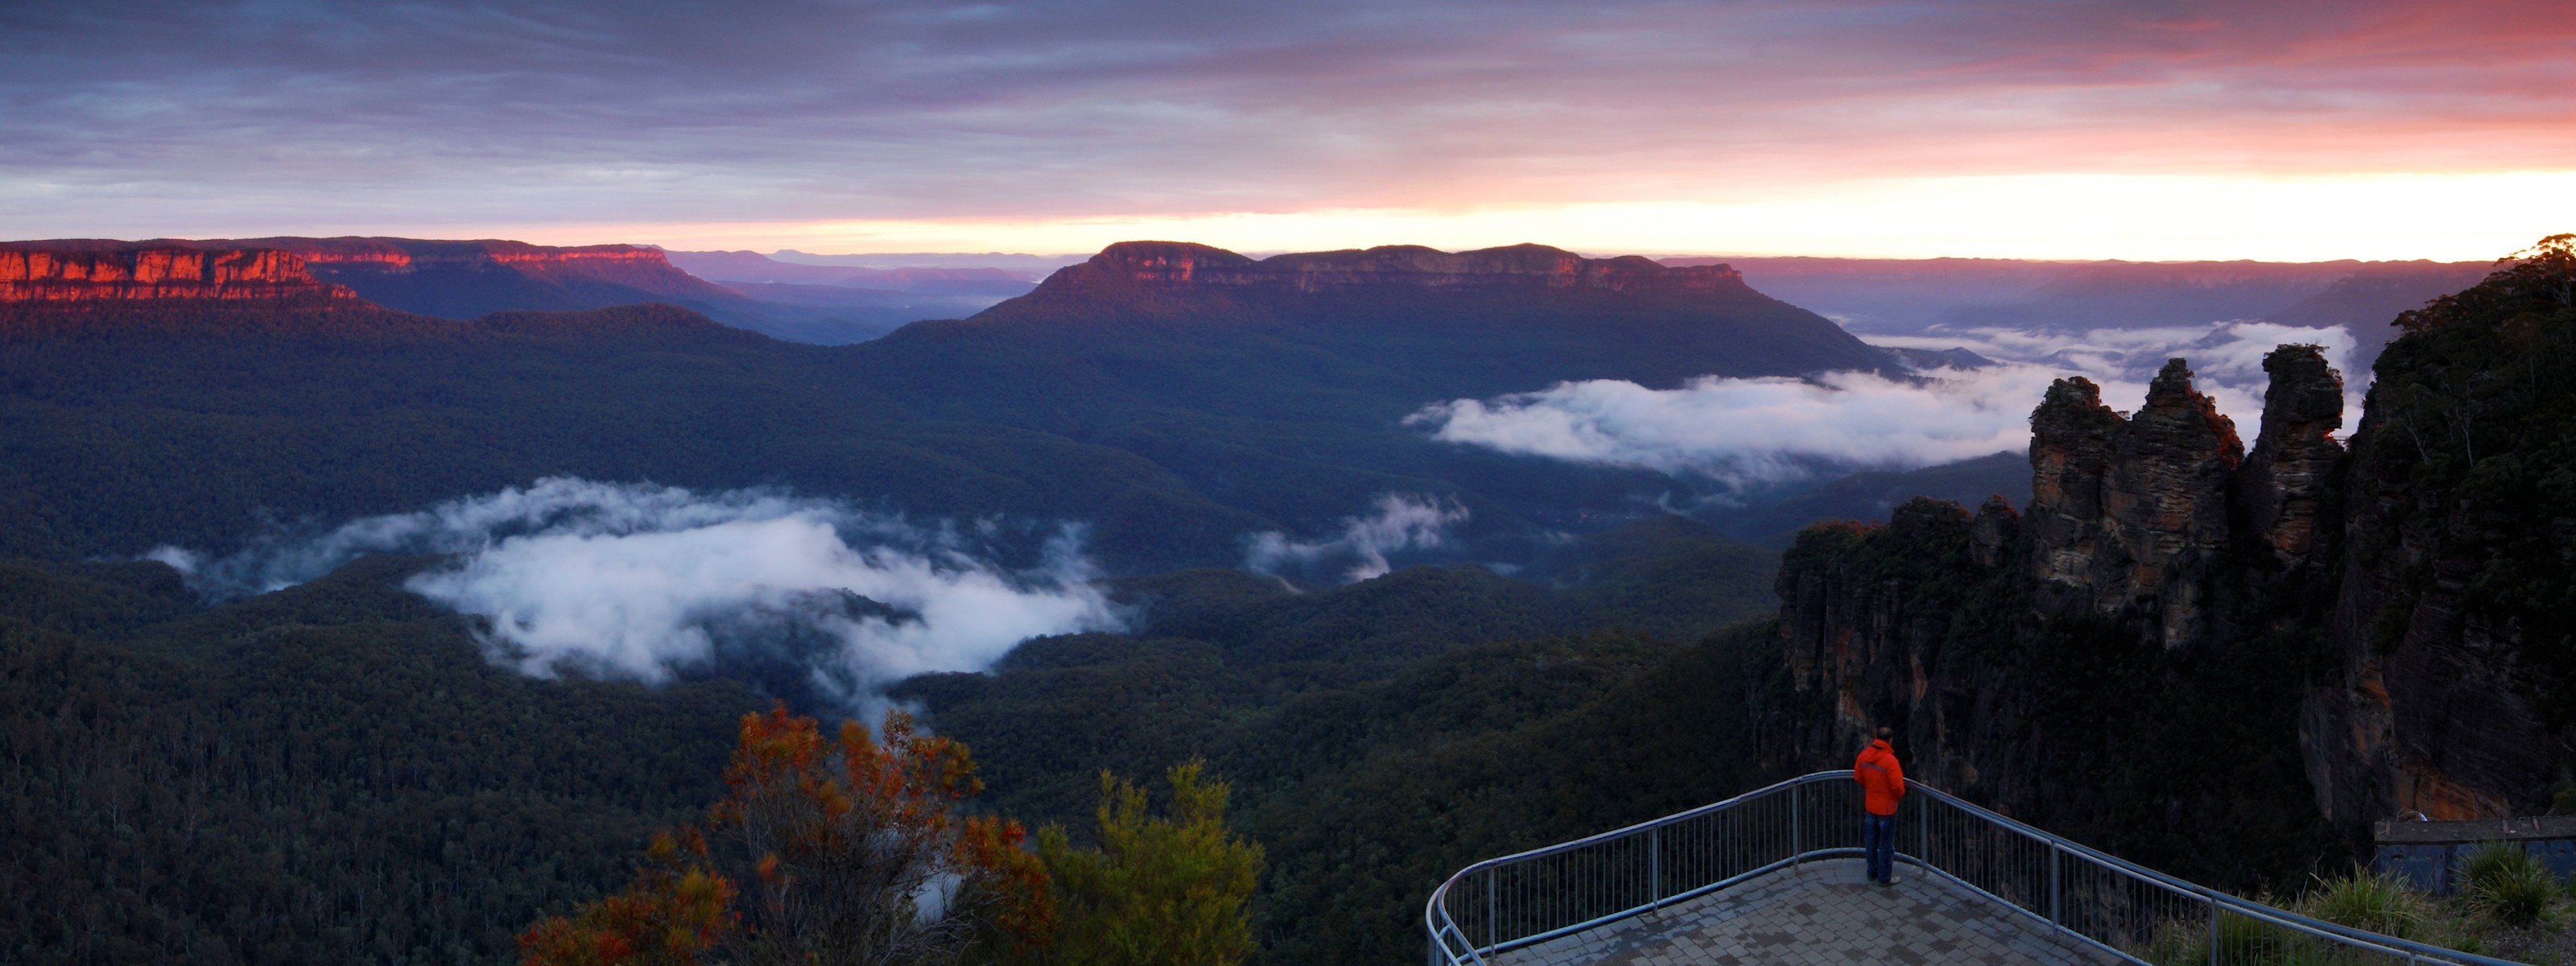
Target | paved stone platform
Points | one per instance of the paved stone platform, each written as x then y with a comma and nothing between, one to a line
1820,913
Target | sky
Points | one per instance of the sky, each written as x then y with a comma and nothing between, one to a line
2288,131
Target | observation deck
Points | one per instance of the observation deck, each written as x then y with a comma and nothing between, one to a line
1773,876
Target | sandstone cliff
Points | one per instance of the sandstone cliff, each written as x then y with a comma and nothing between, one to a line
448,279
2131,524
2125,646
2371,632
634,265
2451,687
35,272
2128,515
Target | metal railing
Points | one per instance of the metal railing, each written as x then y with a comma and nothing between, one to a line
2126,910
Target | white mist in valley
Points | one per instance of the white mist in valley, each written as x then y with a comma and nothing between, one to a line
1767,432
1360,546
640,581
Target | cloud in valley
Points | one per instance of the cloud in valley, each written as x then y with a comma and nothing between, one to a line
642,581
1755,433
1360,548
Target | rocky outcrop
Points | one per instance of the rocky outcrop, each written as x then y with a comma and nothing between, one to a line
2109,649
90,272
2128,515
2288,479
1530,268
2071,435
1994,532
2411,590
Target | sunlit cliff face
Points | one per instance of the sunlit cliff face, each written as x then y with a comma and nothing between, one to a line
147,273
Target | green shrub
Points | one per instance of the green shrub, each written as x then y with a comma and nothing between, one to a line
2508,884
2242,941
2380,903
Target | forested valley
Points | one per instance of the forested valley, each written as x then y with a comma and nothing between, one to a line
336,771
342,769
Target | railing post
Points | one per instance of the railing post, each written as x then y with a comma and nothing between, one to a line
2056,891
1655,867
1923,835
2213,929
1797,851
1490,923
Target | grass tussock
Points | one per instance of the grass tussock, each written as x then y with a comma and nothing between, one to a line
2509,885
2376,902
2510,905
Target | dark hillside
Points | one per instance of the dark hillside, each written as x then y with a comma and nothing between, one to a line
193,423
328,774
1871,496
1173,419
1382,734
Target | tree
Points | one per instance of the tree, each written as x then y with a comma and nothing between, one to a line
856,852
1163,890
675,913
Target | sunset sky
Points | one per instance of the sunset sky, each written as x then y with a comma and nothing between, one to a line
2045,129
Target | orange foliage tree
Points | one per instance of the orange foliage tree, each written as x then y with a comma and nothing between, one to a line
855,850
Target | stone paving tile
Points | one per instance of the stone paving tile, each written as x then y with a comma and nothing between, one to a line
1817,914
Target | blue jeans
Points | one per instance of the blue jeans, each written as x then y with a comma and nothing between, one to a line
1878,845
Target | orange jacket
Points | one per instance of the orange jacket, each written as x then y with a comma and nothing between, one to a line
1882,780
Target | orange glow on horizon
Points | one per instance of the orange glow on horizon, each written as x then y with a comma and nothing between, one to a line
2448,217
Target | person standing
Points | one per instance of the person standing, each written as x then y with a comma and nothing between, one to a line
1882,785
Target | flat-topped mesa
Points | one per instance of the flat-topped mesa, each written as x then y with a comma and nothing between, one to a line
2129,516
89,271
1535,268
2289,475
465,279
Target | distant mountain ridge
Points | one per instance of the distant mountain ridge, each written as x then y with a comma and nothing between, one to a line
469,279
737,267
1524,267
1887,296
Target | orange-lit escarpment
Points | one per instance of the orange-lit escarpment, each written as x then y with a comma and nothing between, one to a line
442,278
1180,265
94,271
362,261
415,253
